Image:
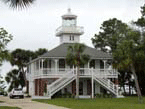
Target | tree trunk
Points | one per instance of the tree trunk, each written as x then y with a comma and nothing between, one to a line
77,82
136,84
129,88
24,75
124,89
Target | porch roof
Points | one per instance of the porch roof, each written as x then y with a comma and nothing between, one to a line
61,52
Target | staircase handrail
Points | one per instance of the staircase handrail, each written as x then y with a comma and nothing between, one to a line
108,84
59,85
66,74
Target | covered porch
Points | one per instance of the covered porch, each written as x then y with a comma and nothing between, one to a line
50,67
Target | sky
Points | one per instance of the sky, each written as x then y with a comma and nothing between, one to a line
34,27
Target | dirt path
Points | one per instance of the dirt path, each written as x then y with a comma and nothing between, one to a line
26,103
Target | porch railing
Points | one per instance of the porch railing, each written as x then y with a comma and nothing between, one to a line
101,73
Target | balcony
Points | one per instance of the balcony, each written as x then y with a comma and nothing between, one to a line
84,72
74,29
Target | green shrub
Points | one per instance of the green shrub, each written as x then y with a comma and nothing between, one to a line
5,94
103,95
98,95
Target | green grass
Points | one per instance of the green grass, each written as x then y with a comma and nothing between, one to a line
98,103
1,101
7,107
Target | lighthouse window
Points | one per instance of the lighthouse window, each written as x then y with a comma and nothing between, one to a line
71,37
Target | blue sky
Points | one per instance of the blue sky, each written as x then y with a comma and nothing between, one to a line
35,26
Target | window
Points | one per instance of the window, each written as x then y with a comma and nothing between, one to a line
101,64
61,65
92,64
71,38
47,64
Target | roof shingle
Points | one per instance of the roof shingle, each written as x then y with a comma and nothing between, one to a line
61,52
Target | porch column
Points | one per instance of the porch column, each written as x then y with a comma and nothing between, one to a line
39,66
89,64
89,67
32,88
104,66
42,67
92,84
56,61
73,69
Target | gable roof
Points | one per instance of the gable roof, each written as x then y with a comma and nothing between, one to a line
61,52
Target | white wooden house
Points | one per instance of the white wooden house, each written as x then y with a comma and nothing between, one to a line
51,70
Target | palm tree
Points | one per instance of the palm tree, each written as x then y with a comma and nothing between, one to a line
125,56
14,78
76,57
2,85
5,38
19,3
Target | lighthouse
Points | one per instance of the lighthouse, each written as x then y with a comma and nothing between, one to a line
69,32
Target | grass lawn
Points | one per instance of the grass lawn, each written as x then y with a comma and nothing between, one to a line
7,107
98,103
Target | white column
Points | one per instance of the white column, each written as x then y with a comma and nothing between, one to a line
42,67
88,64
56,69
104,66
33,87
92,84
30,72
89,67
39,67
73,70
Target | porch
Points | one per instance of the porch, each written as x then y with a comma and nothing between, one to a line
56,68
83,72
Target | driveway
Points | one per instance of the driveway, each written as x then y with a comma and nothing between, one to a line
26,103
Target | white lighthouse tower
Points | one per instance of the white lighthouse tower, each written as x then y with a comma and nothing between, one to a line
69,32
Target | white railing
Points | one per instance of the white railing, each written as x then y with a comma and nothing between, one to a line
100,73
71,29
60,83
107,84
105,73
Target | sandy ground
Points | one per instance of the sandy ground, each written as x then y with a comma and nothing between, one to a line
26,103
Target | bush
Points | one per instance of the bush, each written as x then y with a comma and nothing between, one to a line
66,95
72,96
103,95
5,94
57,95
98,95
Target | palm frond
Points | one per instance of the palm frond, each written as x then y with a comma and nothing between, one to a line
19,3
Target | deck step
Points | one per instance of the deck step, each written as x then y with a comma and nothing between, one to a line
41,97
85,96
